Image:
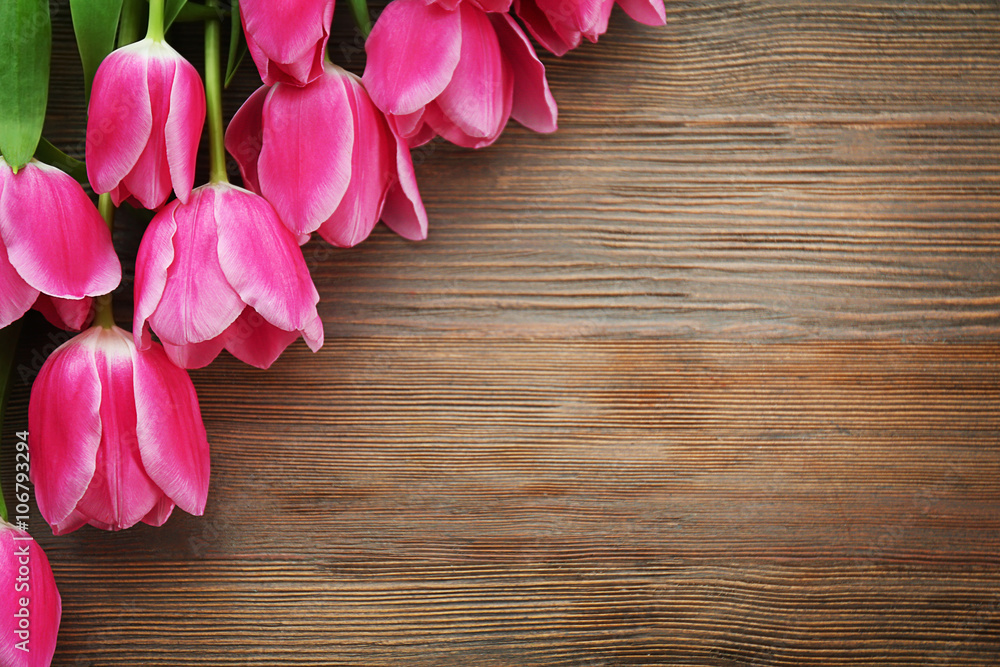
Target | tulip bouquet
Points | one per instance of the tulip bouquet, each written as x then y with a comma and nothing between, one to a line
115,432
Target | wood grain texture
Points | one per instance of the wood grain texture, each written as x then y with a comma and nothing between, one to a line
711,376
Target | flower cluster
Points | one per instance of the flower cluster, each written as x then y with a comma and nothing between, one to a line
116,434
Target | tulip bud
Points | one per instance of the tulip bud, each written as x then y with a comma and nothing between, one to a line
147,109
30,606
222,272
52,242
327,160
116,435
560,25
481,72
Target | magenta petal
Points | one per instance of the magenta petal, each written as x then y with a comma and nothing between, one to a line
305,163
474,98
245,136
372,168
64,424
171,433
255,341
149,179
533,105
493,5
287,38
198,302
120,492
183,127
195,355
16,296
650,12
33,591
160,512
403,210
71,314
152,263
538,24
119,120
55,237
403,72
262,260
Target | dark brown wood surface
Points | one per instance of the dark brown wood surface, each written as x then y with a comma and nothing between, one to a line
711,376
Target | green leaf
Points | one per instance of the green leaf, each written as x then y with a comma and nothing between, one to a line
95,23
237,43
170,11
25,49
49,154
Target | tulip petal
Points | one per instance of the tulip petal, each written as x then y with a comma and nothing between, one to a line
305,162
70,314
198,303
40,598
255,341
64,422
171,434
533,104
195,355
403,210
650,12
69,524
474,99
152,263
149,179
287,38
493,5
119,118
14,292
160,512
372,170
183,127
54,235
245,136
121,492
402,74
262,260
538,24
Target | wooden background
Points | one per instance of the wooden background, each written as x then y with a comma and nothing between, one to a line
709,377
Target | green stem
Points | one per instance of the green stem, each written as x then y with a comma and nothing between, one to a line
155,29
105,314
362,17
213,99
8,345
133,18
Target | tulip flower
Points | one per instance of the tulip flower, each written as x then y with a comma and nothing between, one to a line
327,160
560,25
147,109
287,38
222,271
115,435
30,606
459,72
72,314
52,240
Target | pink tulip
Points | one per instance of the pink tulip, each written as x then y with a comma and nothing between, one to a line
560,25
54,242
147,108
30,606
459,72
222,272
115,435
287,38
326,159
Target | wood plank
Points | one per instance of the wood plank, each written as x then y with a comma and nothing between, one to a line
613,451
